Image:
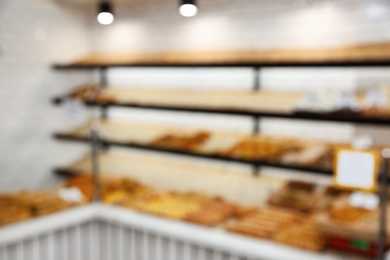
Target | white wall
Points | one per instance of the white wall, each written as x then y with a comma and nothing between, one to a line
32,35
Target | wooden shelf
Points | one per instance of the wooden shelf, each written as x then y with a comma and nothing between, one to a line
376,54
254,104
139,136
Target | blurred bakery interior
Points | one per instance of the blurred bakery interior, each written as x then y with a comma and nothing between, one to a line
194,129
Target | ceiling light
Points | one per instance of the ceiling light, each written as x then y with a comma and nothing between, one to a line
105,15
188,8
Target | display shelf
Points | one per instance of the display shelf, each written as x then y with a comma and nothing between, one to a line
23,230
97,219
377,54
260,104
214,238
140,136
312,170
169,174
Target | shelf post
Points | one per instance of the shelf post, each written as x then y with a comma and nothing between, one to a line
383,192
95,161
103,83
256,88
256,119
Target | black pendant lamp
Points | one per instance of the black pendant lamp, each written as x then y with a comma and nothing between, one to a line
188,8
105,13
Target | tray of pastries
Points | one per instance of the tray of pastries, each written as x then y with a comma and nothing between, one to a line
185,142
126,193
345,220
174,205
296,195
47,202
328,197
14,207
264,223
212,212
84,183
262,148
303,235
90,93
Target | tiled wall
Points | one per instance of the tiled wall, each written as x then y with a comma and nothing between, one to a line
32,35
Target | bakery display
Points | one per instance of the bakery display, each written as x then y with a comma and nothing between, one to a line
299,214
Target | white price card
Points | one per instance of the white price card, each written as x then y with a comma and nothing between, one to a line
356,169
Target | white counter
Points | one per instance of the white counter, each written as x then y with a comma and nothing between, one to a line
218,239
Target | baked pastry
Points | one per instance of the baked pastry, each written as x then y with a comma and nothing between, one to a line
14,207
304,235
349,215
262,148
173,205
84,183
295,195
265,223
181,142
212,213
91,93
244,211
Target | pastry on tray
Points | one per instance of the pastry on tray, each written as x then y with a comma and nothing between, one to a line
14,213
244,211
47,202
14,207
349,215
265,223
304,235
212,213
174,205
181,142
91,93
262,148
295,195
84,183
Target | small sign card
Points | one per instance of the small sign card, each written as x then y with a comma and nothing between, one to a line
356,169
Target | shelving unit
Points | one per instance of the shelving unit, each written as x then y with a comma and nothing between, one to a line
373,55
